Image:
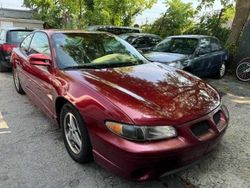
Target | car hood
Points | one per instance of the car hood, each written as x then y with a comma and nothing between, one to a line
164,57
153,93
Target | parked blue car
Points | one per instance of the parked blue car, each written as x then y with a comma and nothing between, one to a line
198,54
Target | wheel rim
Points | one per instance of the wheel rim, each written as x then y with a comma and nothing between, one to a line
72,133
222,70
243,71
16,80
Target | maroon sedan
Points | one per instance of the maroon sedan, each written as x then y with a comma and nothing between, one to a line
136,118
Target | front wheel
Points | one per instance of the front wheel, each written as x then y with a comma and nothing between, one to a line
75,134
17,83
222,71
243,71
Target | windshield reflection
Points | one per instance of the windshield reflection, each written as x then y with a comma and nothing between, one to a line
93,50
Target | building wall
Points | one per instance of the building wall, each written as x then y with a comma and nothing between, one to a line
19,18
12,13
29,25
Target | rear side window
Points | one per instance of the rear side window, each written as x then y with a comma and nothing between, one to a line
26,44
153,41
15,37
40,44
215,45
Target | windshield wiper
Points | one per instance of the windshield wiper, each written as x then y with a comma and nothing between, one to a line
113,65
83,67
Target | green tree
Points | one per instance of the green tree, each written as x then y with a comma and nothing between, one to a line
79,13
214,24
177,19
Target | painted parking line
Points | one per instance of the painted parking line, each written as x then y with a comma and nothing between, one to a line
3,125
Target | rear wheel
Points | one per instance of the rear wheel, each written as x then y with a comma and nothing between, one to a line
17,83
75,134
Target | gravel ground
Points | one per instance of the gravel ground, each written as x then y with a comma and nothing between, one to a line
32,152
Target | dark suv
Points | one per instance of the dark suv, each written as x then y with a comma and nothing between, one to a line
9,39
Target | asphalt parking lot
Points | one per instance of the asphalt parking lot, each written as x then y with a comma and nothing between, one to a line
32,152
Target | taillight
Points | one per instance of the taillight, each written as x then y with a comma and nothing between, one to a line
7,47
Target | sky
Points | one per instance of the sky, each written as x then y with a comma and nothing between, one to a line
11,4
159,8
148,16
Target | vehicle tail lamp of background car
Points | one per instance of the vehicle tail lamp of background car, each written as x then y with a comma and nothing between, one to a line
6,49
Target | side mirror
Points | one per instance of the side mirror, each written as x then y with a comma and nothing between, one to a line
200,52
140,51
39,59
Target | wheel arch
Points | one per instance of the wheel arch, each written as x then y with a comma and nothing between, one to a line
59,103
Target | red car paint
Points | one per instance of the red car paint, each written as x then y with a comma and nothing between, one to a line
146,95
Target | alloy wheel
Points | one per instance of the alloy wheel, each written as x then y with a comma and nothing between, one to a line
16,80
222,70
72,133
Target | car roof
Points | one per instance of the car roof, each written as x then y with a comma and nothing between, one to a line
140,35
190,36
110,26
16,28
53,31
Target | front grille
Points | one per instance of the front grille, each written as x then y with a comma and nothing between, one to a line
217,117
200,128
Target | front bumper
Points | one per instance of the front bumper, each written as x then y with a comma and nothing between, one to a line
142,161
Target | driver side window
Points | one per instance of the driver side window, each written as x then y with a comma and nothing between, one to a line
26,44
40,44
205,46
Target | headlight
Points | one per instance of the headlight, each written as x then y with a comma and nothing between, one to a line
176,64
141,133
186,62
180,64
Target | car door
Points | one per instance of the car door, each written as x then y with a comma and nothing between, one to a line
202,59
218,55
41,76
21,62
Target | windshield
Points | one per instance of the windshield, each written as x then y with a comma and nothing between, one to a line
178,45
93,50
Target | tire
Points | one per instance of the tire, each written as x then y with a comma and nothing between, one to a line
221,72
3,68
75,134
17,83
243,71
